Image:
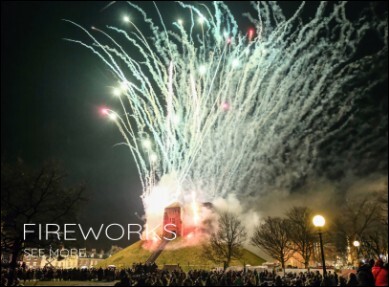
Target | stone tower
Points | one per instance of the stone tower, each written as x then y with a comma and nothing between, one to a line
172,215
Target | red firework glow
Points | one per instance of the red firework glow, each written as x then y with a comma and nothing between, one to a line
225,106
104,111
251,34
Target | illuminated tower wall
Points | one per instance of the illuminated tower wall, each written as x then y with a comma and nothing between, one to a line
172,215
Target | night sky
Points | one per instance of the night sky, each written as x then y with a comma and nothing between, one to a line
51,91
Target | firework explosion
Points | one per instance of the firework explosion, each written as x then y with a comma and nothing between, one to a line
210,111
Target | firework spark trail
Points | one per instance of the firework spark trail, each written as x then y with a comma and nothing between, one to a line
224,112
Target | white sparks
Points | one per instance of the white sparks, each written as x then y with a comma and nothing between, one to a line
117,92
112,116
126,19
153,157
146,144
202,69
240,117
201,19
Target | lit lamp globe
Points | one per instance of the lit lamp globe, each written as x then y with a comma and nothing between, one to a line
356,243
319,221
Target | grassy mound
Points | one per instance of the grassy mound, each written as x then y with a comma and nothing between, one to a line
189,257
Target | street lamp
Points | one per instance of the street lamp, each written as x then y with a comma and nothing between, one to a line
357,244
319,222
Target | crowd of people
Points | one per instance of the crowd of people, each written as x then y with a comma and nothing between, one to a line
219,278
373,273
59,274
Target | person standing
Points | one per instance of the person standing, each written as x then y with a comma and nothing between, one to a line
364,275
380,273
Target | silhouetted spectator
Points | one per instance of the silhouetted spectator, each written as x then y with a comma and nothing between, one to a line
352,280
364,275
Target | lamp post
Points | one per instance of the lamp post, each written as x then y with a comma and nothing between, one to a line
356,244
319,222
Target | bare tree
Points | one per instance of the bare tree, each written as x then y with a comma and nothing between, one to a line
272,236
364,219
226,243
301,232
33,196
